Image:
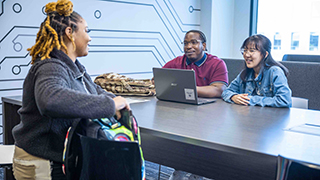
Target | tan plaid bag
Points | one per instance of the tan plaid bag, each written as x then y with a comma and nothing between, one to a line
122,85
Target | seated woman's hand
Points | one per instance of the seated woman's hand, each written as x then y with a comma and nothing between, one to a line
242,99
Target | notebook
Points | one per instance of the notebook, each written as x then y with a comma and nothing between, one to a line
177,85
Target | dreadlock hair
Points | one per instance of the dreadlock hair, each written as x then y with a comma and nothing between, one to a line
60,15
201,34
263,45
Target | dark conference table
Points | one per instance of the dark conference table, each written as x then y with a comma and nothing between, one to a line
221,140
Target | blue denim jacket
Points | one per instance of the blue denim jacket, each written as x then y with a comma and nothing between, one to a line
269,88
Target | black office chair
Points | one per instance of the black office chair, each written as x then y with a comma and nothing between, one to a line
1,133
301,58
288,169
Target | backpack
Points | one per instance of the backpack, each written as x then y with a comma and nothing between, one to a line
104,148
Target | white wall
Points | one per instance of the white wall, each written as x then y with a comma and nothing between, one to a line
222,27
241,26
128,36
205,21
229,28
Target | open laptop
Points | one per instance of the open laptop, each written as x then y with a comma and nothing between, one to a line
177,85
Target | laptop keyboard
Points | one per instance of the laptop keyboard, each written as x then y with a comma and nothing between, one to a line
205,100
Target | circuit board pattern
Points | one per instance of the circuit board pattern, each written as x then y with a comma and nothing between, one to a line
128,36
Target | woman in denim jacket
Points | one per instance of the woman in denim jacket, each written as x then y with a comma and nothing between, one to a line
263,82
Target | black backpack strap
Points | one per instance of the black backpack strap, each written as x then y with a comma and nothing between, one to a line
129,121
125,119
73,152
92,128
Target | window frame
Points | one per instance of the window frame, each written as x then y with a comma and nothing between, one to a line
253,17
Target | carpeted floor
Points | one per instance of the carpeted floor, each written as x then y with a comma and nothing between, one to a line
153,169
1,174
153,172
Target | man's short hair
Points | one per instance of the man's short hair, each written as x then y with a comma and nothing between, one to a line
202,35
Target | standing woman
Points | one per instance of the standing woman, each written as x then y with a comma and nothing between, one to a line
263,82
56,92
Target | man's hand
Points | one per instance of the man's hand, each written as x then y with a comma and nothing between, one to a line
213,90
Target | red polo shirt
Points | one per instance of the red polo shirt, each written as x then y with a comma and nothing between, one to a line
209,69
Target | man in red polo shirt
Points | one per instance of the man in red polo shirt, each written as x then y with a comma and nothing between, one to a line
211,72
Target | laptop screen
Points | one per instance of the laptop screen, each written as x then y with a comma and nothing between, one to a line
175,85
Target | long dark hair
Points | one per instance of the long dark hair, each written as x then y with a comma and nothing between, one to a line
263,45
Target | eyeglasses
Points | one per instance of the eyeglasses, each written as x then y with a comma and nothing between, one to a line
193,42
248,51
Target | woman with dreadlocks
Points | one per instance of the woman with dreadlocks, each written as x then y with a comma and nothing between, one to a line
56,92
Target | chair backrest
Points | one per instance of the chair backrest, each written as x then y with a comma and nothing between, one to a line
288,169
298,102
234,66
303,80
301,58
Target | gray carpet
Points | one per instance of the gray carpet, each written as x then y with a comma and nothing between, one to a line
1,174
153,172
167,173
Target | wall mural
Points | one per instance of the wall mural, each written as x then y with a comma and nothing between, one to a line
128,36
